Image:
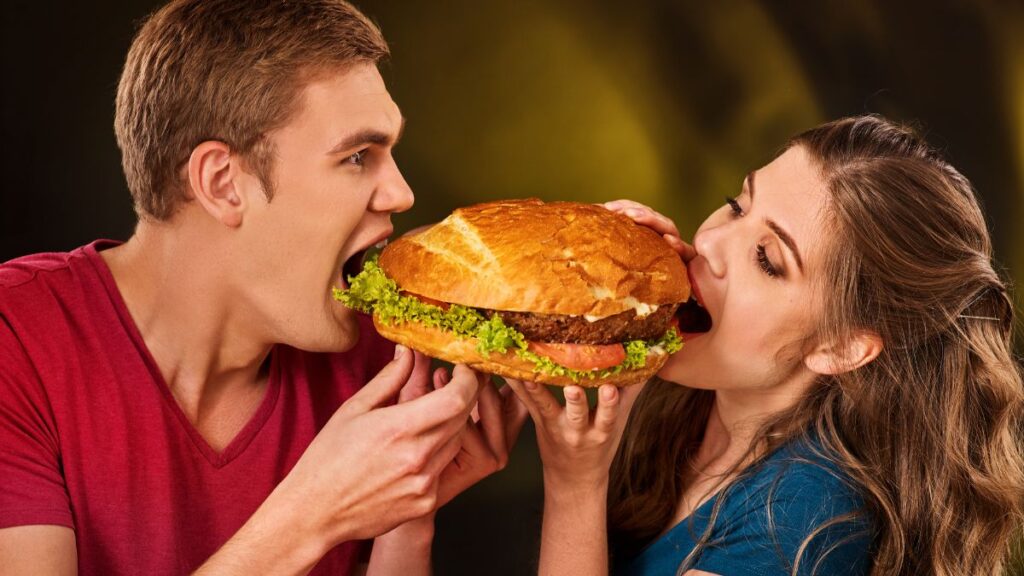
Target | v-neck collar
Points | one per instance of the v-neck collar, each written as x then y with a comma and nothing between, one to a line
256,422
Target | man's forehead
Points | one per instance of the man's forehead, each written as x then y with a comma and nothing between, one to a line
341,103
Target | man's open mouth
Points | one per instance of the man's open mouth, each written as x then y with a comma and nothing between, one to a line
354,265
693,318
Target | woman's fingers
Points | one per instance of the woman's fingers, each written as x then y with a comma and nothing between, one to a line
608,401
577,409
644,215
685,251
542,405
519,388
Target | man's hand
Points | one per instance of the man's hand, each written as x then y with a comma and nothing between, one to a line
486,440
487,437
372,467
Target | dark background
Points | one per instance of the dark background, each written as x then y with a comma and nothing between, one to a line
666,102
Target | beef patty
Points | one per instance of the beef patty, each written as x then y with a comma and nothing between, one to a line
578,330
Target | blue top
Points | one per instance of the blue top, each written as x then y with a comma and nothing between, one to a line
764,519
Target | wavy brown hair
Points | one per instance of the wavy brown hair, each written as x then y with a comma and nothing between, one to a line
929,433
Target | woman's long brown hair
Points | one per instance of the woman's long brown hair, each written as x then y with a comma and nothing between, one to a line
930,432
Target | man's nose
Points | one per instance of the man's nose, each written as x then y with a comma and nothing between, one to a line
393,192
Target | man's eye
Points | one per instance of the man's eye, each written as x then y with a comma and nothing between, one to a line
356,158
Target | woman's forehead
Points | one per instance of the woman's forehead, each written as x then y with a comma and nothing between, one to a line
790,192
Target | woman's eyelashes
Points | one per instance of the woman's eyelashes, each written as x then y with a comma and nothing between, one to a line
765,263
737,210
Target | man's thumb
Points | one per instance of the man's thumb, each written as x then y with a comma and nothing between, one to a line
384,387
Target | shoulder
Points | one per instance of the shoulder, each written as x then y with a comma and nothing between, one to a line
796,508
30,282
19,271
802,471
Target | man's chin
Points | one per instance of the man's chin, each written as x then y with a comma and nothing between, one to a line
344,329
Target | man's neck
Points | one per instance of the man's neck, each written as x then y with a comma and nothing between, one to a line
208,351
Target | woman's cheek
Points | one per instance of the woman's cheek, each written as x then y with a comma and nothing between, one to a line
673,370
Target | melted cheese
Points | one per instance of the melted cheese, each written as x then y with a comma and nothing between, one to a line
642,309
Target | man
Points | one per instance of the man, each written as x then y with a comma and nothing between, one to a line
171,404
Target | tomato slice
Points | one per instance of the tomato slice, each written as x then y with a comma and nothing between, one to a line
581,356
426,300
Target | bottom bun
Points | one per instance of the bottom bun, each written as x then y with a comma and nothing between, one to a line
444,345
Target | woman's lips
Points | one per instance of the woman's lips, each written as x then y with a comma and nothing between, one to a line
694,288
693,318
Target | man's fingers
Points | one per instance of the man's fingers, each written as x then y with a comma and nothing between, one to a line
447,408
491,419
515,414
444,455
419,380
441,377
383,387
577,410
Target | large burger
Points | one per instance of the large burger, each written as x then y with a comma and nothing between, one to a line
560,293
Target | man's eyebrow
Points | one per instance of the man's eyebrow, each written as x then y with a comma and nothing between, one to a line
367,136
779,231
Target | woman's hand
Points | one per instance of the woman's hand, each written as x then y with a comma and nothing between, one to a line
655,221
576,444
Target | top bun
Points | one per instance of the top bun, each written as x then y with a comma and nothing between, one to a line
562,258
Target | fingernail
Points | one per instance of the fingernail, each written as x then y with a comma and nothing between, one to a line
399,351
632,213
530,385
608,392
572,394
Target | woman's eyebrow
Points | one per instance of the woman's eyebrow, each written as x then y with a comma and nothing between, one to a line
788,241
779,231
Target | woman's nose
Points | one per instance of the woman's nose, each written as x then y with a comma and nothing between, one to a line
711,244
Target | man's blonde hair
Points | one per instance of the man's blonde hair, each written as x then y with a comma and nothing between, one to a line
225,70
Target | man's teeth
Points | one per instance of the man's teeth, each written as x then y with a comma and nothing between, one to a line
380,245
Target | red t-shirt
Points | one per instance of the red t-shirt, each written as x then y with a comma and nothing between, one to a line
91,437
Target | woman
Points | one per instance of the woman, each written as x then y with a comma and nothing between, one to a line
854,409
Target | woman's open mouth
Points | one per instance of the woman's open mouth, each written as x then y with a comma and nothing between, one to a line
693,318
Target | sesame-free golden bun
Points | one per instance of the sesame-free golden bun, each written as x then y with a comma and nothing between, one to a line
558,258
562,258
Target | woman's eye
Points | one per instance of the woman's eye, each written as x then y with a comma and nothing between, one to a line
766,264
356,158
737,210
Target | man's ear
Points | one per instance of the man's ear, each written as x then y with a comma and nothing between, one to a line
863,347
212,173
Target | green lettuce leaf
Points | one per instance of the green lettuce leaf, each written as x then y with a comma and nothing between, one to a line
372,292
